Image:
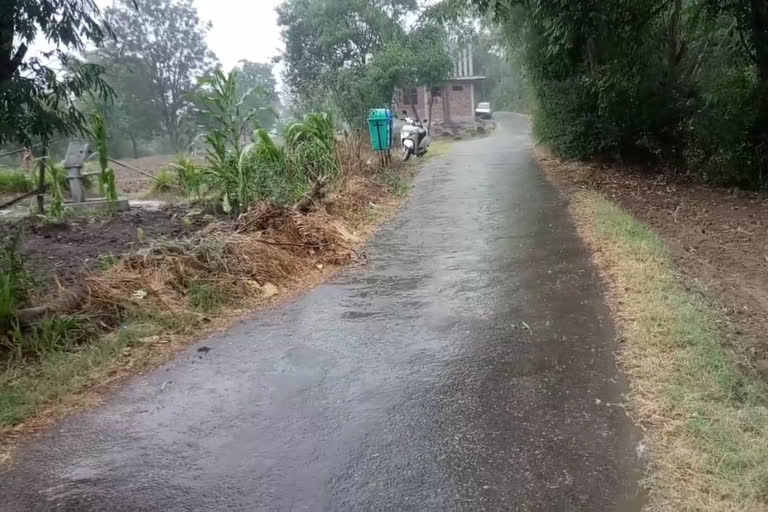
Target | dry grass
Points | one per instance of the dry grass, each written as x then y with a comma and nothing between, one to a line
705,422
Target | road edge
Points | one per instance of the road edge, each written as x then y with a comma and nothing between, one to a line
704,422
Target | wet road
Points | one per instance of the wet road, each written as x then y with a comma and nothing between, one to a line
468,366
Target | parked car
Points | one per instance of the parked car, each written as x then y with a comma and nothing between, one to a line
483,110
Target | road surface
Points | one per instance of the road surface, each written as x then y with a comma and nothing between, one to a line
468,366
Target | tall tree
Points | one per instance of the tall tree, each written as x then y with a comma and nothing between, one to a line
135,113
323,37
432,65
36,99
257,86
168,38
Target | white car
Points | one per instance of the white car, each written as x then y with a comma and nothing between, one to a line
483,110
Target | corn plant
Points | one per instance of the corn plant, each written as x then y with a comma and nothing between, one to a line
312,146
189,177
14,281
107,184
57,190
230,170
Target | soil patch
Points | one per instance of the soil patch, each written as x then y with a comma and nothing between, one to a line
718,237
62,251
130,181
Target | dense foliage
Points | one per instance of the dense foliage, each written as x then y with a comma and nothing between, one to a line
349,56
37,97
674,81
162,43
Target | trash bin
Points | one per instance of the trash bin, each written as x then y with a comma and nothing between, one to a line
380,128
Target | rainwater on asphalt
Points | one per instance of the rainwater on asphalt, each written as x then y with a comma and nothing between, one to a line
468,366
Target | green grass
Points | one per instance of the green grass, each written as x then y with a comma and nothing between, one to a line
25,389
397,184
208,297
15,181
440,147
707,420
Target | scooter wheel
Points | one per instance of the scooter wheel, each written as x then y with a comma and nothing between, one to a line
406,154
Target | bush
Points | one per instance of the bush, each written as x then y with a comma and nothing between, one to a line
190,176
165,181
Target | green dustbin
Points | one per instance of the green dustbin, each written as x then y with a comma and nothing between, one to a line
380,128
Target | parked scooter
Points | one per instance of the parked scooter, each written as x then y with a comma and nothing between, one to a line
414,138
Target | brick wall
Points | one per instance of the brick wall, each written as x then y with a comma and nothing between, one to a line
453,104
461,109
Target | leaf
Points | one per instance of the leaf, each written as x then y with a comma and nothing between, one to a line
225,204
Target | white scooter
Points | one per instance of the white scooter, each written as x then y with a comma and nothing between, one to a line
414,138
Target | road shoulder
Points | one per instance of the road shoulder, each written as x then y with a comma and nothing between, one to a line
703,413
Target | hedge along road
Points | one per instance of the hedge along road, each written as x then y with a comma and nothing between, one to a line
468,366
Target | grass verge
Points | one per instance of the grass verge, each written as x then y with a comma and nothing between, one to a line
705,422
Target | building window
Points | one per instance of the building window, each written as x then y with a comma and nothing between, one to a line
457,88
437,92
410,96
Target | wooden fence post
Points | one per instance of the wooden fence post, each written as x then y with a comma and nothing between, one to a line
41,181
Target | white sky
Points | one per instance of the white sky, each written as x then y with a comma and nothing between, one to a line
242,29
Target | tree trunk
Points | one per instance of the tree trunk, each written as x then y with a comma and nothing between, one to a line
675,45
41,180
9,61
429,110
135,147
760,128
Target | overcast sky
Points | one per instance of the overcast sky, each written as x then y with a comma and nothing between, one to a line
242,29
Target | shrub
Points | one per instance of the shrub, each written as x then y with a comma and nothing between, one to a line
165,181
190,177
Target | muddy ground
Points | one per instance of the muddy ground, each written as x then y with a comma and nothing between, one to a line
718,236
60,251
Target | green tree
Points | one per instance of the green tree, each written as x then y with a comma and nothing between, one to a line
38,100
325,39
431,65
257,86
135,113
168,39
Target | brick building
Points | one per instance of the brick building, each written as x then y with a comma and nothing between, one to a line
454,101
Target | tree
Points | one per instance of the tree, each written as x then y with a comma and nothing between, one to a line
135,113
168,38
432,65
750,18
37,100
324,38
257,86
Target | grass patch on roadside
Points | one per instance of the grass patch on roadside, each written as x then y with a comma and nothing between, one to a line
397,184
208,297
705,421
27,389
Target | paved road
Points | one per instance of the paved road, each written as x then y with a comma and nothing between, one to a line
466,367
